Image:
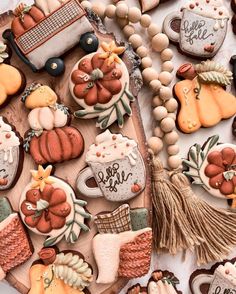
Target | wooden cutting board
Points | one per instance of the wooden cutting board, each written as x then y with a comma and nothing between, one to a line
16,113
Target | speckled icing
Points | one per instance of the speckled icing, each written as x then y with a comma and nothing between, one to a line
109,147
228,272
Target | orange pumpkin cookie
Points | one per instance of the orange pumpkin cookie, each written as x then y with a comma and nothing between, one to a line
12,81
61,273
49,140
49,207
203,100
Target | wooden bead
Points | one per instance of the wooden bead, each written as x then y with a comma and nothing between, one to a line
128,30
142,51
165,78
86,4
172,116
171,138
99,9
156,101
159,113
166,54
155,144
145,20
155,85
174,161
173,149
146,62
135,40
167,124
134,14
122,22
171,105
165,93
160,42
158,132
153,30
167,66
122,10
149,74
110,11
118,2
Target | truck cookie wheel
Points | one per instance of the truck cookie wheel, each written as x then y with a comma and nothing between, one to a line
89,42
55,66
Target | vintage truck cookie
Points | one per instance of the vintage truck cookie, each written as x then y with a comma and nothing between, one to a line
11,155
50,139
40,39
119,250
203,100
48,206
221,278
60,272
99,83
15,244
213,167
199,28
117,167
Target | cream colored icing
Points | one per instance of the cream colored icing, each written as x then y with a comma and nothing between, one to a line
213,9
106,248
46,118
73,270
161,287
8,140
228,271
48,6
109,147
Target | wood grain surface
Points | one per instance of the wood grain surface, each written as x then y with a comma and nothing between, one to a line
16,113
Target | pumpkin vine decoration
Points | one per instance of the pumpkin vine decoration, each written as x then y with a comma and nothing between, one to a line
28,138
63,108
100,85
49,207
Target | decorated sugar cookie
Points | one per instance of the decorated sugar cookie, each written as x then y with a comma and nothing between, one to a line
15,245
199,28
119,250
212,166
203,100
150,4
50,139
41,33
65,272
221,278
12,81
117,166
11,155
161,282
48,207
99,83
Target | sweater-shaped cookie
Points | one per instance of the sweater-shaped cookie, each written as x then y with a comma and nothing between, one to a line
99,83
64,272
203,100
199,28
48,207
117,167
11,155
50,139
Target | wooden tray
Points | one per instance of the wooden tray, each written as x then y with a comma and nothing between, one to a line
16,113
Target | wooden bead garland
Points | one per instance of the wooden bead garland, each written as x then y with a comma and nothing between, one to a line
163,102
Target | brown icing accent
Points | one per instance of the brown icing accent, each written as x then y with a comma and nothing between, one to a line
219,163
101,83
47,255
15,248
57,145
135,257
175,25
186,71
53,216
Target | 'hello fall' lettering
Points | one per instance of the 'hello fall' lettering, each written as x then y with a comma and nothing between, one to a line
195,30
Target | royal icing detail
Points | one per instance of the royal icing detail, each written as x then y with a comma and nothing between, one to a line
61,273
99,83
117,166
49,207
203,100
213,167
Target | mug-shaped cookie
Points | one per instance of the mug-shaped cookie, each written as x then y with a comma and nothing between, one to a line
199,29
222,281
117,167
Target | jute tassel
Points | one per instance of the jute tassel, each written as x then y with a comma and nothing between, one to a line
217,227
171,229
